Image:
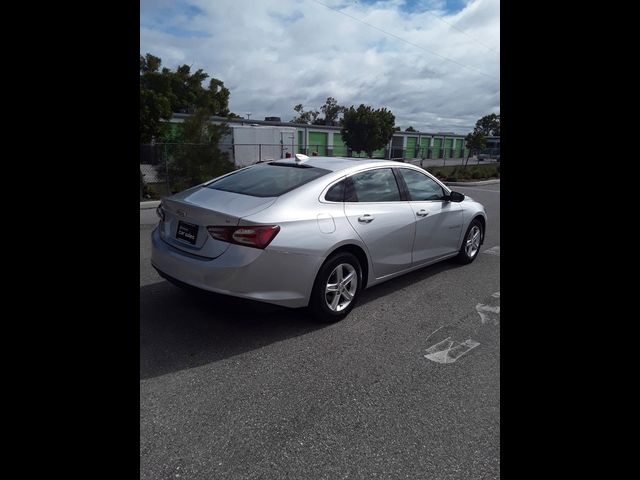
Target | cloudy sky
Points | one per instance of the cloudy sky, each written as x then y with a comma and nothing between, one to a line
435,64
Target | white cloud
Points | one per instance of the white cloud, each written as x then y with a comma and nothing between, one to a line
273,54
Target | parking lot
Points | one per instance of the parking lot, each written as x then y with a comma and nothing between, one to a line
407,386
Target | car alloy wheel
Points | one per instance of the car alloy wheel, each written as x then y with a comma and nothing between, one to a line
341,287
473,241
336,288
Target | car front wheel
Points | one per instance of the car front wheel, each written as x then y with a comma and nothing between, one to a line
336,288
471,243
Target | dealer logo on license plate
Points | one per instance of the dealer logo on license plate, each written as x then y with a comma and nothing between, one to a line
187,232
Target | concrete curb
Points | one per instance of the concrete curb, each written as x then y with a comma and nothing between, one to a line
149,205
472,184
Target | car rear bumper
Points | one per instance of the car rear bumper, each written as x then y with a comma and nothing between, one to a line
266,275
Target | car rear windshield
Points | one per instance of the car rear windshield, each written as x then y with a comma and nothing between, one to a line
268,179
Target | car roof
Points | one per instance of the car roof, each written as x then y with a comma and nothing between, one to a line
336,164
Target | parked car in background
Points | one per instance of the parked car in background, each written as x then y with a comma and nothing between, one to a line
488,156
313,232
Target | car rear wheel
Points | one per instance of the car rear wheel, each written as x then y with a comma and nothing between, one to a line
471,243
336,288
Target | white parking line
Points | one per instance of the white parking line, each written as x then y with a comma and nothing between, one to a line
493,251
448,350
487,313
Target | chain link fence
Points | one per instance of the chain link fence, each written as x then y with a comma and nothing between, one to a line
167,168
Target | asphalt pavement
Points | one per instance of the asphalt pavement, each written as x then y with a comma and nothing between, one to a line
407,386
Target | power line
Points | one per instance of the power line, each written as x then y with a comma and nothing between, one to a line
462,31
468,67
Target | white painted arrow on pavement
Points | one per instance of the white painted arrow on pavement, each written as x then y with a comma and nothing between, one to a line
446,352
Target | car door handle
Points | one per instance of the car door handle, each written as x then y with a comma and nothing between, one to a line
366,218
422,213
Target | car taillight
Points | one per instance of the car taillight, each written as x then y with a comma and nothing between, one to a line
250,236
160,212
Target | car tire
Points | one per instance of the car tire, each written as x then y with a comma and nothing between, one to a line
327,306
471,242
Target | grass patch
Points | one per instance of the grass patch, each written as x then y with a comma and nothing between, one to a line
155,191
458,173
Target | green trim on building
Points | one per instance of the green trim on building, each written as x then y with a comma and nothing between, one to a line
411,147
458,148
448,147
437,144
339,147
318,143
425,144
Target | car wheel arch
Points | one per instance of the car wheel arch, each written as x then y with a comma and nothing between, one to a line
483,223
359,253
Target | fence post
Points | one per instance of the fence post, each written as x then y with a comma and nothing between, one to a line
259,151
166,169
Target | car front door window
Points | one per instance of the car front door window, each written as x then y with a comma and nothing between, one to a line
421,188
383,221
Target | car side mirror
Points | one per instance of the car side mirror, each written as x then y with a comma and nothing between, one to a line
454,197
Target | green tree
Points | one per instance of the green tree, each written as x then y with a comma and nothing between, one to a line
306,118
475,141
489,125
155,110
331,110
198,158
163,92
365,129
410,129
154,103
149,63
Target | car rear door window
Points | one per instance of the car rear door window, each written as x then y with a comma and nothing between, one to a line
268,179
377,185
420,186
336,193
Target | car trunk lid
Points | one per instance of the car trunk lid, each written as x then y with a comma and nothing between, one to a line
189,213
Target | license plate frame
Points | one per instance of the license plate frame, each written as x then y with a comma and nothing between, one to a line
187,232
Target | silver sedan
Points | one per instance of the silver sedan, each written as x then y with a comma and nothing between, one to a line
313,231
